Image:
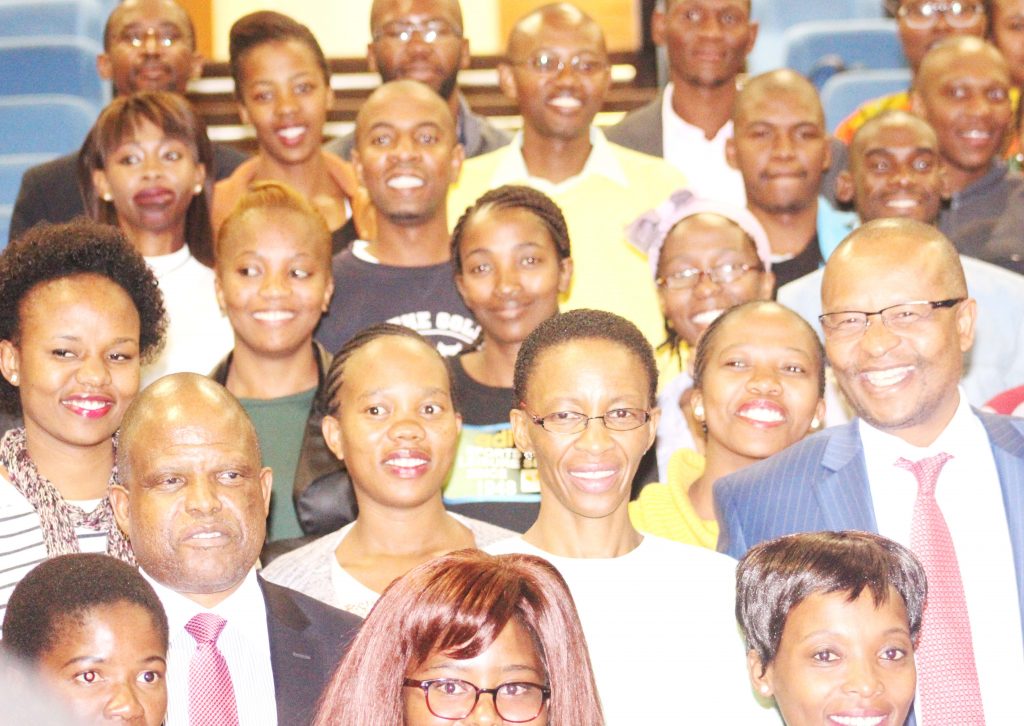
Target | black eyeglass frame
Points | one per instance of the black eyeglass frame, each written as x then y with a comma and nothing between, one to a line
425,687
934,304
585,420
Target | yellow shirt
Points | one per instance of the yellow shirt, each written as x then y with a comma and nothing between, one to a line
665,510
616,186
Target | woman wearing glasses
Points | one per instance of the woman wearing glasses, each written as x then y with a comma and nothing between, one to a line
758,382
706,257
585,383
388,416
468,638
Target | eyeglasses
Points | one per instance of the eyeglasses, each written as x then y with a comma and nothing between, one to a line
431,31
547,63
573,422
452,699
924,15
897,318
136,37
690,277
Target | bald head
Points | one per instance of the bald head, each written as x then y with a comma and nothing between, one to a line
180,401
780,83
169,9
952,52
895,244
557,16
416,98
381,9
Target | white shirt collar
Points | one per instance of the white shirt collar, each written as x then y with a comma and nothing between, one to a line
244,607
601,161
889,447
674,125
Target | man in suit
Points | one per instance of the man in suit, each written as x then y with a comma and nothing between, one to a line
148,45
897,321
688,123
422,40
193,499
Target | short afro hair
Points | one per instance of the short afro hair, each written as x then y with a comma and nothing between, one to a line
55,251
776,576
62,591
583,324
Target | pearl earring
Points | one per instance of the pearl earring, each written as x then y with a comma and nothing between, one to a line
197,189
764,689
815,423
14,378
107,197
698,411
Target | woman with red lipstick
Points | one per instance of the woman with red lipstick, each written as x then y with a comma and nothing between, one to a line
388,415
585,384
831,620
283,87
274,282
143,168
79,312
511,256
706,256
758,386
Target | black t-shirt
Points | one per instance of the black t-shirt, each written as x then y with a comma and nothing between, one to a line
794,268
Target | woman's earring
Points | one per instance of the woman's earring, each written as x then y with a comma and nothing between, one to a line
698,412
197,189
14,378
815,423
528,455
764,689
107,197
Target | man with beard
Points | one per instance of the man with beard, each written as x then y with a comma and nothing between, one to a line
422,40
148,45
689,122
781,149
918,465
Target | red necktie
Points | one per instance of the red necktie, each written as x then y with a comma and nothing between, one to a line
211,695
947,677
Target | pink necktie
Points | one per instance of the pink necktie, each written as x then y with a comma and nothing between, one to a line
947,677
211,696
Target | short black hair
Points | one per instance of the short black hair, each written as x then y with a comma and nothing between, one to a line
55,251
266,26
707,341
326,402
776,576
512,196
583,324
62,591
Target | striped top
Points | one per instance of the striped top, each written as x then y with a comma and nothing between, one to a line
21,538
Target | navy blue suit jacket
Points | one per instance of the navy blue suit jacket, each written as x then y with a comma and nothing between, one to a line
821,483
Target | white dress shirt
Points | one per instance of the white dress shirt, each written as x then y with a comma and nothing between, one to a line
971,500
245,643
702,160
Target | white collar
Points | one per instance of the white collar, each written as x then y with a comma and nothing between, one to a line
601,161
245,605
165,264
958,431
670,119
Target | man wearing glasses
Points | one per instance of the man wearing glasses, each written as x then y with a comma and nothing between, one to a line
148,45
921,24
557,72
918,465
422,40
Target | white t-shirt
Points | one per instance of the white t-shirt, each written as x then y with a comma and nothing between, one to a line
662,636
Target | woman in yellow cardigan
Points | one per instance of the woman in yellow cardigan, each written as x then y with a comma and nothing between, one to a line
758,381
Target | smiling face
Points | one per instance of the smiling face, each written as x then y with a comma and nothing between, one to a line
707,40
152,179
895,171
964,93
558,105
436,64
76,363
195,500
917,42
274,280
780,146
904,383
396,428
703,242
165,60
110,667
588,474
286,98
842,662
406,153
511,658
760,387
1008,35
511,273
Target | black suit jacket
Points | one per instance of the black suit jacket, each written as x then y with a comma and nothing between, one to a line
307,640
49,191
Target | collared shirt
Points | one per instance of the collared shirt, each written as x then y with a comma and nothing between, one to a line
245,643
701,160
971,500
601,161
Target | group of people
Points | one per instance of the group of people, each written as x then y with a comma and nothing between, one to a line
433,424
